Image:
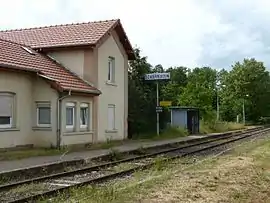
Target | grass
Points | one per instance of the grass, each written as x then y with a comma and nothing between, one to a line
22,190
115,154
168,133
107,145
241,176
20,154
217,127
34,152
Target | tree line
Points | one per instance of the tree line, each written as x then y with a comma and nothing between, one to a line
247,83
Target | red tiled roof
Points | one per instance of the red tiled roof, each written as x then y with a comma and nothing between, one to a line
14,55
79,34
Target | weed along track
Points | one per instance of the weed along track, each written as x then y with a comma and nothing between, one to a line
32,189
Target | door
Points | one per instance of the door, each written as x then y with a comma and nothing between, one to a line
191,121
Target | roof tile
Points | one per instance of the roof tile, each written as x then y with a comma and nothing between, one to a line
12,54
60,35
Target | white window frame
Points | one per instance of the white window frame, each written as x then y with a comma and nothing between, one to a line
108,120
37,110
83,105
12,95
111,69
71,104
7,125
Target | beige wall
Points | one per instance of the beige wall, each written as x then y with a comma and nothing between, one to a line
92,65
91,75
78,136
28,89
111,93
21,85
42,92
126,66
90,69
71,59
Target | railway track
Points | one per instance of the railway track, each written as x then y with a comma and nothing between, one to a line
56,168
32,189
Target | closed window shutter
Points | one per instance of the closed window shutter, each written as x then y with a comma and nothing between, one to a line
5,106
111,118
44,115
69,115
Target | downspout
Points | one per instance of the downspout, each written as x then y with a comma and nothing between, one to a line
59,120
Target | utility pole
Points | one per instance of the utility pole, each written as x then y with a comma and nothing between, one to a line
244,114
217,96
157,111
217,106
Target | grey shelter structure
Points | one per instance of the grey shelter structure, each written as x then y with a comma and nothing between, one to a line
186,117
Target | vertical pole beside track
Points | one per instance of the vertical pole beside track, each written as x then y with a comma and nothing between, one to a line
157,110
156,77
244,114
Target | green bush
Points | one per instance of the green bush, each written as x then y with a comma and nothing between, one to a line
169,132
264,120
216,127
174,132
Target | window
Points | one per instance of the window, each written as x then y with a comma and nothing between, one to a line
28,50
43,114
111,117
70,115
84,115
111,69
6,110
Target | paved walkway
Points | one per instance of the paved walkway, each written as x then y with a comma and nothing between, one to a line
40,160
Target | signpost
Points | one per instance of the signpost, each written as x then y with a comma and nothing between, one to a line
159,109
157,77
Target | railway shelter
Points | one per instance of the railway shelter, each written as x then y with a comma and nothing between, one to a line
186,117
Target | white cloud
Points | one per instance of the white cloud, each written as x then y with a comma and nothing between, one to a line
173,32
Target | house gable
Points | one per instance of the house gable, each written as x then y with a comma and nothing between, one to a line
84,61
20,57
71,59
81,35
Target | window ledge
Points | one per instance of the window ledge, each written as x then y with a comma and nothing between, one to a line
111,83
42,128
77,133
9,129
111,131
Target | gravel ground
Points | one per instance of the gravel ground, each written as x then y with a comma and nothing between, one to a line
77,178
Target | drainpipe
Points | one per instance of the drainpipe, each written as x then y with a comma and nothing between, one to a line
59,116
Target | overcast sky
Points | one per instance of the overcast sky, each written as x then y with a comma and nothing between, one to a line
174,32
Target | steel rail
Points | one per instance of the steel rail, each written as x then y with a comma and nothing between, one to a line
130,171
113,163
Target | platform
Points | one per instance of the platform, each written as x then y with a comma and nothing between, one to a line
89,154
46,161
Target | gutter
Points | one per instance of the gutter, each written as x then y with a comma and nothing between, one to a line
59,116
16,67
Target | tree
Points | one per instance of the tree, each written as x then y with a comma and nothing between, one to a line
141,116
200,91
248,82
173,88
